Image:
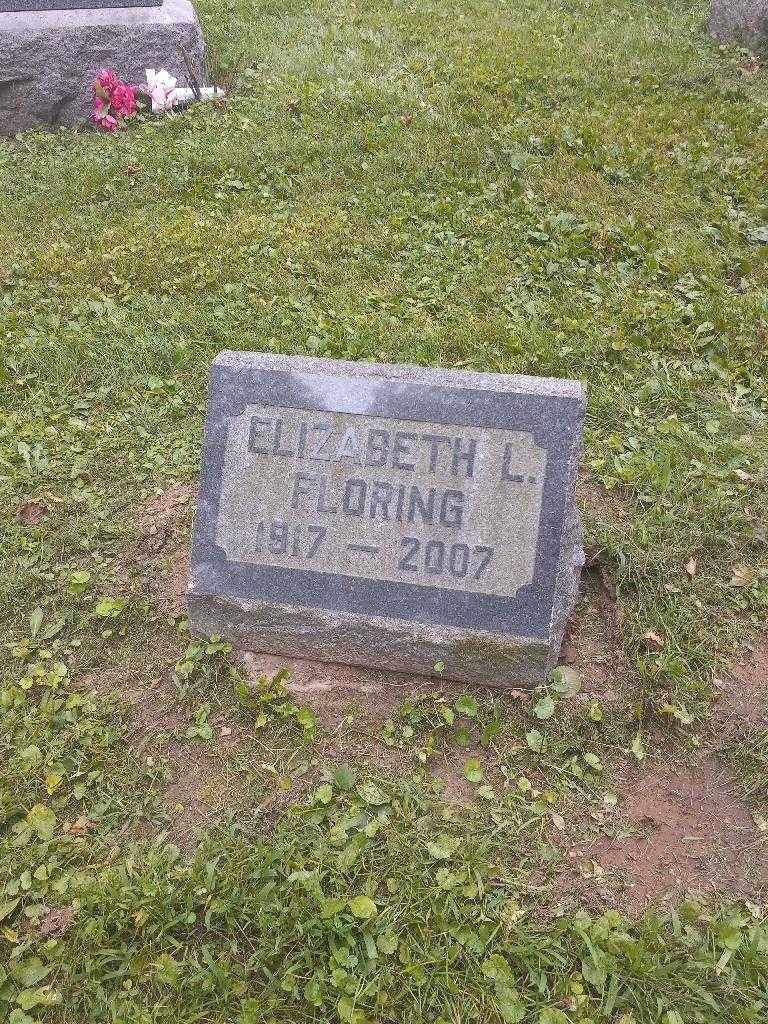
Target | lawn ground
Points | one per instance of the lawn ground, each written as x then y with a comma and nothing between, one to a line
562,188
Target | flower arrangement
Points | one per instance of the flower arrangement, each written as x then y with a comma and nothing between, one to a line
114,101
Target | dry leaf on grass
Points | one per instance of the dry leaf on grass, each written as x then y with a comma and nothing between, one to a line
690,566
654,638
81,826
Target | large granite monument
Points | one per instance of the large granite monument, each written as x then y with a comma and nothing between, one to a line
740,21
388,515
51,51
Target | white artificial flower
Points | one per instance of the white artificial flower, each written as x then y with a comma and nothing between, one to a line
161,87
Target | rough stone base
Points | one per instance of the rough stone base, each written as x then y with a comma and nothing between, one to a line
740,21
48,59
483,658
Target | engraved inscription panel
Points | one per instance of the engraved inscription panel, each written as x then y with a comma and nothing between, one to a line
451,507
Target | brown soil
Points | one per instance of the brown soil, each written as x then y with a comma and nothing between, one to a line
162,512
447,769
203,780
743,694
750,67
596,502
170,585
162,545
678,830
592,642
343,694
352,705
56,922
204,784
155,708
31,511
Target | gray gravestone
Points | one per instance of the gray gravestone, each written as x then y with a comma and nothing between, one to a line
7,6
740,21
50,54
388,515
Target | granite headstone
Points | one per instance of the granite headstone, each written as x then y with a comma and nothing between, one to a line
8,6
740,21
389,516
51,51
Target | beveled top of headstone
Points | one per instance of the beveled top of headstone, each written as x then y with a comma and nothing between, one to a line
31,6
437,499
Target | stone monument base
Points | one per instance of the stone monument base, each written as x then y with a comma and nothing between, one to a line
373,642
740,21
49,59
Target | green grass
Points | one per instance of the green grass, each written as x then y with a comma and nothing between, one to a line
748,757
545,187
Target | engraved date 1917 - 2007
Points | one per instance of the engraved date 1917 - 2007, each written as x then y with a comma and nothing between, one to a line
433,557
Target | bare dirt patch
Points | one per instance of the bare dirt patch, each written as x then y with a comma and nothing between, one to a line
203,779
679,830
447,769
170,586
205,782
593,639
596,502
592,643
31,511
339,694
352,705
742,701
162,511
56,922
154,705
161,548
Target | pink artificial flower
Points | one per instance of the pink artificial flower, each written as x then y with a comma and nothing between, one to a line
113,100
107,79
123,100
105,120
